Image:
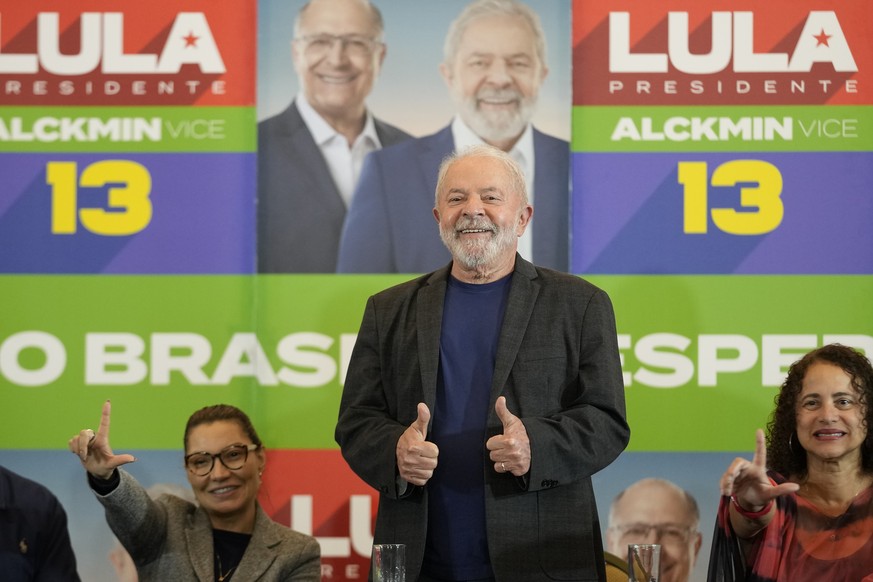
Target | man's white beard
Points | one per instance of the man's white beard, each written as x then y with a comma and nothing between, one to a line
496,126
474,253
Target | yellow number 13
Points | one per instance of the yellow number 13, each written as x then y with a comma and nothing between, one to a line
130,209
763,201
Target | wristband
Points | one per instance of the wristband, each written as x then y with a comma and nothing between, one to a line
751,514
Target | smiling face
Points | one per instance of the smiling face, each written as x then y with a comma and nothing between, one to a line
480,215
652,511
228,496
830,416
494,77
336,75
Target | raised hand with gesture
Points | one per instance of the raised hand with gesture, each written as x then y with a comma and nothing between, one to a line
751,490
94,451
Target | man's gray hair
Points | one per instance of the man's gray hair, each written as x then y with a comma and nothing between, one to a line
514,171
375,14
480,8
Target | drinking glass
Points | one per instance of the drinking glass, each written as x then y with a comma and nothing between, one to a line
389,563
644,562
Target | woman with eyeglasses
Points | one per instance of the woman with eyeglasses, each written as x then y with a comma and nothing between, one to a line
226,536
802,509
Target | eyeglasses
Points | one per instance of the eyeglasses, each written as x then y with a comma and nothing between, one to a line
318,45
232,457
666,533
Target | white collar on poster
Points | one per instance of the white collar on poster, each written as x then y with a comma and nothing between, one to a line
344,162
523,153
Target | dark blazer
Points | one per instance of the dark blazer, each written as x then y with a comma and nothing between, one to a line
34,539
557,365
171,539
300,210
390,227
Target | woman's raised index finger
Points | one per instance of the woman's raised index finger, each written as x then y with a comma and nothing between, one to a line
104,420
760,449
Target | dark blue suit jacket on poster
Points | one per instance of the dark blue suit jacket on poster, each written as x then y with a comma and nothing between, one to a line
300,209
390,226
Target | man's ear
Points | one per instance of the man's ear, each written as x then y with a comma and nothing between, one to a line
447,74
296,55
383,50
524,218
697,542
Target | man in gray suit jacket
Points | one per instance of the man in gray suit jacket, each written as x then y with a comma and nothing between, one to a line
310,155
482,397
494,63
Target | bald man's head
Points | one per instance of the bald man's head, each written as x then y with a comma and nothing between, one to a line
660,512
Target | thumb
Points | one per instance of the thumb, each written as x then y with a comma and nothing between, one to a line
506,417
420,423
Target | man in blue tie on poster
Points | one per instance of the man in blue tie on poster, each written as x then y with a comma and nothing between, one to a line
494,65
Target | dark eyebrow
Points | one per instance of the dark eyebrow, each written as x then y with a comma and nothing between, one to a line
835,395
219,452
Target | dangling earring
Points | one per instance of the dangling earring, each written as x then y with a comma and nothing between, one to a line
791,442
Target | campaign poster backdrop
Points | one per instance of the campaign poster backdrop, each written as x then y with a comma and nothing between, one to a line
719,195
748,128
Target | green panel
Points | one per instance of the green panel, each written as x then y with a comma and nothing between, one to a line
691,417
69,307
151,413
723,129
332,305
128,129
293,400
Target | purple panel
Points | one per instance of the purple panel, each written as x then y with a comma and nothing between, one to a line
203,218
628,217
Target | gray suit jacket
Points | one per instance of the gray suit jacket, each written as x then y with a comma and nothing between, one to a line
300,210
171,539
557,365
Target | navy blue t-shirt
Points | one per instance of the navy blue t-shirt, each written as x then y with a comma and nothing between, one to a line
457,545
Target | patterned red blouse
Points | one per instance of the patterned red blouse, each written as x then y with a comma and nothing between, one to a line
801,544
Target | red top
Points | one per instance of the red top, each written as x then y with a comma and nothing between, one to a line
801,544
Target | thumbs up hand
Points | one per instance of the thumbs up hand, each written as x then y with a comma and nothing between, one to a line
510,451
416,457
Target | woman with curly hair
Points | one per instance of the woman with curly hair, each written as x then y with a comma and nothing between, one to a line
802,509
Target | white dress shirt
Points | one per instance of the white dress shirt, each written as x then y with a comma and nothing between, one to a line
523,153
344,162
